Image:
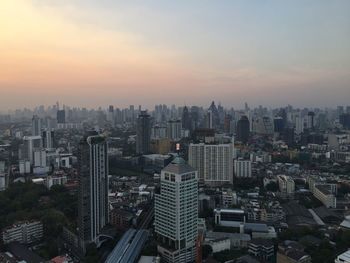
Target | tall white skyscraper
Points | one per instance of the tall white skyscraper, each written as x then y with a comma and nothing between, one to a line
176,212
214,162
93,213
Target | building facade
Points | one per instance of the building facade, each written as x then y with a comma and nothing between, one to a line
176,212
243,168
93,213
143,133
214,162
23,232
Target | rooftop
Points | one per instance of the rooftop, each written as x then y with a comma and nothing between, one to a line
345,256
178,166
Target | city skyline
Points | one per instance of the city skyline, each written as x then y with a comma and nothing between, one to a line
95,54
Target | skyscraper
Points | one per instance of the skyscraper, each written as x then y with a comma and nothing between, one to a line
93,212
110,115
143,133
36,126
186,121
174,128
61,116
48,138
176,212
243,129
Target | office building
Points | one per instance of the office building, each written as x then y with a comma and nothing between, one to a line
176,212
214,162
93,212
243,168
243,130
143,133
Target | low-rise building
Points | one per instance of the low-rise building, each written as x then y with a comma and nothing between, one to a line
286,184
262,249
121,219
343,258
55,180
325,193
292,252
219,245
23,232
229,217
229,198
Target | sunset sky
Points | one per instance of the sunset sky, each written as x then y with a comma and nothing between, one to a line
95,53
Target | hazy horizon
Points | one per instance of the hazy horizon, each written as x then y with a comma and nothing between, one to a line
95,53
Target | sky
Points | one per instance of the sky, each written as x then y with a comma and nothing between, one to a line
96,53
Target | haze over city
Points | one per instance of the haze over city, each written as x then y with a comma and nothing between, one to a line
95,53
163,131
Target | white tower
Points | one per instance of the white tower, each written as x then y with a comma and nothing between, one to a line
176,212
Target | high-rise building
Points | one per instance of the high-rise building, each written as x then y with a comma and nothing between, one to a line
110,115
311,120
243,168
186,120
213,117
176,212
344,120
174,129
48,138
278,124
36,126
263,125
61,116
213,161
30,143
243,129
143,133
288,136
93,213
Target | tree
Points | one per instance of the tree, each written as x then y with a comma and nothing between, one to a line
206,251
91,254
272,187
